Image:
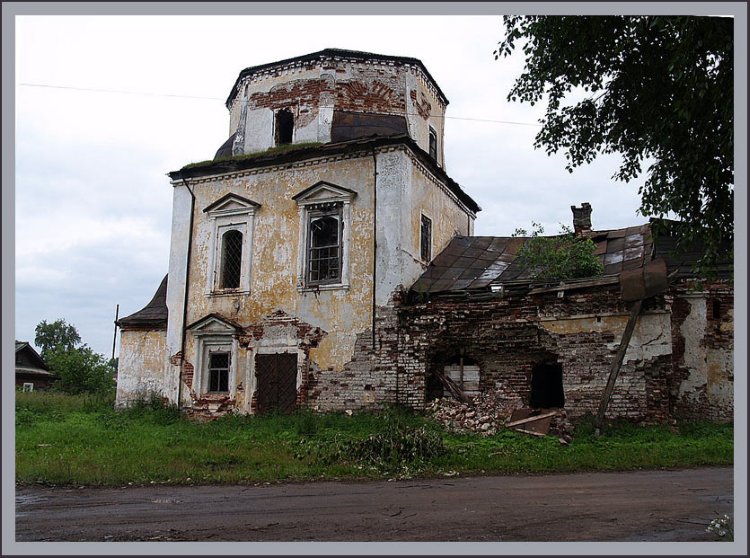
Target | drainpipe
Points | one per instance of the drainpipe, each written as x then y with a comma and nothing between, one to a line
187,286
374,237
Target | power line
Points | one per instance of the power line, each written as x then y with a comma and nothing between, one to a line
117,91
95,90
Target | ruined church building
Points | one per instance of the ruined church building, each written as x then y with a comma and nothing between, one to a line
325,259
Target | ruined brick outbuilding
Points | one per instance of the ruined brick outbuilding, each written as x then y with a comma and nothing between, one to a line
324,258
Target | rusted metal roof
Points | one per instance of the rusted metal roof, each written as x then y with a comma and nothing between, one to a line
353,125
680,262
468,262
475,262
153,315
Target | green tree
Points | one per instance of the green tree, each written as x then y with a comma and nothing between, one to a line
80,369
558,258
56,336
652,88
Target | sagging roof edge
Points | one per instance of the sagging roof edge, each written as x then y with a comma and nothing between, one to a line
332,53
293,155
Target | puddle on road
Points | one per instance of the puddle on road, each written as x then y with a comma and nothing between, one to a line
22,499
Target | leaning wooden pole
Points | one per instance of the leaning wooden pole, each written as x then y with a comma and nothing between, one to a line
617,364
114,337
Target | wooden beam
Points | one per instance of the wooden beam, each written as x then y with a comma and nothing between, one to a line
454,390
617,364
531,419
528,432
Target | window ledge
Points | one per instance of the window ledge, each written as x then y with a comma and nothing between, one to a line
228,292
331,287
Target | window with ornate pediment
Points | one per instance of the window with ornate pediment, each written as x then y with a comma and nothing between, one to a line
231,218
215,358
325,236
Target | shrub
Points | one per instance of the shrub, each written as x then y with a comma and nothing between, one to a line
398,448
558,258
81,370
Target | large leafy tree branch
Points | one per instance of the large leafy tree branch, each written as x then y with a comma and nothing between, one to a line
650,88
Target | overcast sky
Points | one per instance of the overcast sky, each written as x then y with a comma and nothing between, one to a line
106,106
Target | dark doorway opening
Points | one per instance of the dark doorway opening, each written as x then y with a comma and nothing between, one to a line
277,382
284,127
547,386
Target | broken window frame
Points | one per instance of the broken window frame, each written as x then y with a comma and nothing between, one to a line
425,238
324,196
315,259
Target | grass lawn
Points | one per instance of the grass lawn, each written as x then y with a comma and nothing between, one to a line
81,440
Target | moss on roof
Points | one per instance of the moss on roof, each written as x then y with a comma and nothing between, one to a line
255,155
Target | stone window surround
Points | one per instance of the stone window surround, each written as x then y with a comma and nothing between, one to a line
214,342
224,220
307,202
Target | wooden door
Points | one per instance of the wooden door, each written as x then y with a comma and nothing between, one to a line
277,382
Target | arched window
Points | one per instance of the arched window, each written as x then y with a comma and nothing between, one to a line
231,259
433,143
284,127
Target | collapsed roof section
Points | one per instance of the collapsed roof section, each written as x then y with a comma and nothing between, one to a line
489,263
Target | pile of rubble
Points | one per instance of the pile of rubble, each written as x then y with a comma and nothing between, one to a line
488,412
485,414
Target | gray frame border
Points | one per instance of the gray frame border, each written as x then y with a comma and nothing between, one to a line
11,9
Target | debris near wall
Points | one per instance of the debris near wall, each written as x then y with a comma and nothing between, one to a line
488,412
484,414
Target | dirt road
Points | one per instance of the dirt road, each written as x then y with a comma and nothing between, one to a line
635,506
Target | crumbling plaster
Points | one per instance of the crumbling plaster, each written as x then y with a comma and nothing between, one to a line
142,355
345,314
312,92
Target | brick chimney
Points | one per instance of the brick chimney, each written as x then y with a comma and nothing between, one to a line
581,218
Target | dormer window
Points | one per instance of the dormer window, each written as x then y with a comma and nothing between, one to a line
284,127
433,143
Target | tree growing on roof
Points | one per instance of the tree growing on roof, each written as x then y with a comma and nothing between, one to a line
558,258
656,88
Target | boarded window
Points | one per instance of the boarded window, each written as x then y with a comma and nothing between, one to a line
324,246
433,143
231,259
218,372
465,373
425,240
284,127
